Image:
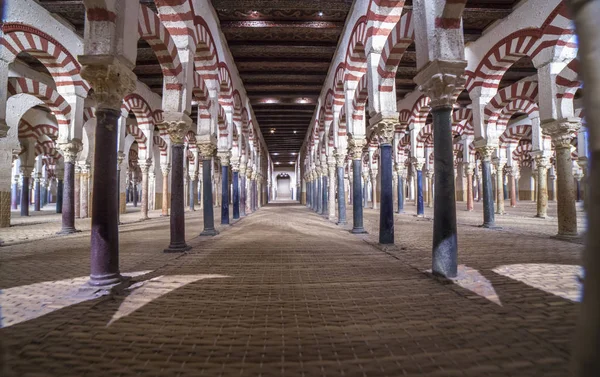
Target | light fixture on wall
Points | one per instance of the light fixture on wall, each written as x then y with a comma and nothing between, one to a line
272,130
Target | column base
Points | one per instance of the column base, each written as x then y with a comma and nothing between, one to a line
209,233
358,231
65,231
490,226
341,223
106,281
144,218
163,215
567,237
177,248
542,216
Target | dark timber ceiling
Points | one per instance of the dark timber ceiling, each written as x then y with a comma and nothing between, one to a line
283,50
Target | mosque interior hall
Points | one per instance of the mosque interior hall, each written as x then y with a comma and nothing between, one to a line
304,188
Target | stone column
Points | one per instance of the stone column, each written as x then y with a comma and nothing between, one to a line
350,183
331,195
235,168
386,129
319,190
562,133
499,163
325,191
489,220
177,130
429,189
552,184
59,193
207,150
542,162
419,197
14,196
110,83
145,167
70,151
77,189
534,175
37,189
254,192
242,174
193,187
340,160
224,157
248,196
374,173
469,174
511,182
26,175
165,169
84,189
122,196
400,189
355,147
44,192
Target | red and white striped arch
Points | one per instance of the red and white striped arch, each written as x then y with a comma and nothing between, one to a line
361,95
237,109
462,121
200,94
152,30
342,123
88,113
521,105
225,86
356,56
62,66
222,123
425,136
177,16
206,60
161,144
522,152
328,108
401,37
338,86
49,130
420,111
157,116
520,90
514,134
50,97
27,131
47,148
139,107
138,135
382,16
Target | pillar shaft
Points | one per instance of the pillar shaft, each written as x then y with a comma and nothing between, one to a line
165,195
254,195
445,246
374,189
542,189
144,210
105,234
400,194
37,189
420,205
341,196
236,195
225,194
489,220
243,195
59,195
207,198
499,189
68,205
192,193
14,196
77,193
25,195
324,194
177,220
469,190
567,213
357,200
84,188
386,213
513,190
331,195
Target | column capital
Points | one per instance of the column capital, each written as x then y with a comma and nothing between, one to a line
144,165
120,158
355,147
165,169
70,149
386,128
499,162
249,172
110,79
486,151
340,158
542,160
418,163
442,81
561,131
26,170
207,150
235,165
224,157
177,131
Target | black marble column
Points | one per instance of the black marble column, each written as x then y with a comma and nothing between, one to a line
207,200
357,200
37,195
177,220
445,246
25,196
236,195
488,196
325,196
341,196
59,195
243,195
68,210
400,194
105,233
135,194
386,211
225,194
420,206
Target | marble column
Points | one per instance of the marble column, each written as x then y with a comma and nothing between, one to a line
242,174
499,163
355,146
37,196
254,192
44,192
165,170
70,151
84,190
26,176
534,177
193,187
386,162
469,174
374,173
248,195
145,167
331,194
319,191
552,184
324,192
14,196
341,163
235,168
400,191
59,195
77,190
365,187
110,84
562,133
224,157
419,196
542,163
489,219
177,130
207,150
430,176
510,173
135,192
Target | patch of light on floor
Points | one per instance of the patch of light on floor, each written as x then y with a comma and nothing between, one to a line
471,279
145,292
27,302
558,279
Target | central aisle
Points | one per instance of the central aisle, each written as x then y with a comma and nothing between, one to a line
285,292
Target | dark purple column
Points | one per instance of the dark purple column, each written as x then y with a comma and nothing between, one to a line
37,196
68,205
243,195
357,200
236,195
254,196
14,195
209,216
177,243
225,194
105,214
386,211
59,195
25,195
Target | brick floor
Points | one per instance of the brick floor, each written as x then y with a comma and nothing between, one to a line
285,292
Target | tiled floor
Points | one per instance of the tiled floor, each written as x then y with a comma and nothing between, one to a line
285,292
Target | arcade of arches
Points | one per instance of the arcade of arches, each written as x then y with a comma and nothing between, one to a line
341,187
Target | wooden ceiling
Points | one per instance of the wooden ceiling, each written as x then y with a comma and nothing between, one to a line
283,49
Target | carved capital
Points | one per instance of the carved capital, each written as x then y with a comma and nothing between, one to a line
235,165
355,147
561,131
542,161
110,79
386,129
486,152
207,150
442,81
418,163
340,159
70,149
177,131
224,157
165,169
